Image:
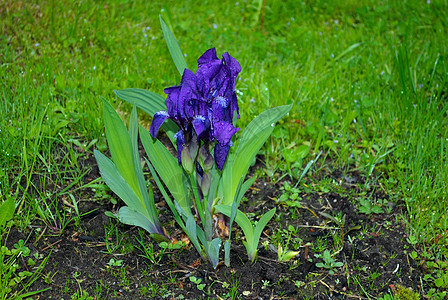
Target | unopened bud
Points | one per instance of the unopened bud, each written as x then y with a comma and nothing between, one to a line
193,149
187,162
205,184
206,158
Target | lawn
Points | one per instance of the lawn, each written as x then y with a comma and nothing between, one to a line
357,169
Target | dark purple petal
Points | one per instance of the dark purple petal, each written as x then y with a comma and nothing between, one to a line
208,56
188,97
180,140
188,78
223,132
222,82
233,64
201,107
201,125
221,153
220,108
233,103
157,121
172,101
206,74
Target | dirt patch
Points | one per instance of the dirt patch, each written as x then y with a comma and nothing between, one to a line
96,256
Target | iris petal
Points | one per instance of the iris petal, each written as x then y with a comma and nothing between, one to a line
208,56
223,132
157,121
233,64
180,140
172,101
201,125
220,154
220,108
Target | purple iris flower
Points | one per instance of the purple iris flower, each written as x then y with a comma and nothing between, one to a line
203,105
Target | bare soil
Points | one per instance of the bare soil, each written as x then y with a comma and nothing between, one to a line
372,248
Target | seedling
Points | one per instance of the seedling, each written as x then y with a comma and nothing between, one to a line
367,208
329,263
115,263
282,251
290,195
198,282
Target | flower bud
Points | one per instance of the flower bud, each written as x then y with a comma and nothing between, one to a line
205,184
193,148
187,162
205,158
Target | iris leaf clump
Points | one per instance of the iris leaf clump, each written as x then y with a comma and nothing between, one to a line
204,184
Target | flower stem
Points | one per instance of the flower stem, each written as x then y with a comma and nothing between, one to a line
196,197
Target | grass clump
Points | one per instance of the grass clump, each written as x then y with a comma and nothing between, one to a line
367,80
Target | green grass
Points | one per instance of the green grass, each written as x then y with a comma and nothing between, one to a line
382,65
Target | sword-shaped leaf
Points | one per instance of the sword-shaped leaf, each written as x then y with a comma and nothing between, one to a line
252,139
174,48
150,103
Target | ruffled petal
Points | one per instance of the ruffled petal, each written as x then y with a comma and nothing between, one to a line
172,101
233,64
208,56
223,132
157,121
188,97
220,153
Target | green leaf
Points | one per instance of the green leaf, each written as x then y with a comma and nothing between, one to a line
338,264
167,167
147,194
307,168
212,250
235,205
118,184
132,217
150,103
193,234
245,224
120,147
288,255
167,198
6,211
174,48
302,151
240,218
245,186
264,220
252,139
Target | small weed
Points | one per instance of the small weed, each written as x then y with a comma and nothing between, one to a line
115,263
366,207
328,263
101,289
319,245
290,196
404,293
81,295
265,283
198,281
